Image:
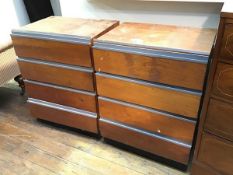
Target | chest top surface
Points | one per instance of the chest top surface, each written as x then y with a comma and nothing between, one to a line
165,37
87,28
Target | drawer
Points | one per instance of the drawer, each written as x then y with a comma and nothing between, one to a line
226,52
217,153
167,71
51,50
219,119
200,169
223,81
67,116
147,119
61,95
70,76
155,96
145,141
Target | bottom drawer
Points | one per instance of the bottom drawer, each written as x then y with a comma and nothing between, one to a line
200,169
148,142
216,153
64,115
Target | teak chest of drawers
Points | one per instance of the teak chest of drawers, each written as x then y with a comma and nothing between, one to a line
150,80
55,58
214,147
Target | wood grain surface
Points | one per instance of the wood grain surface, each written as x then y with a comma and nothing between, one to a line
57,51
226,53
222,86
219,119
64,117
186,39
217,153
64,96
149,95
173,72
147,119
89,28
57,75
145,142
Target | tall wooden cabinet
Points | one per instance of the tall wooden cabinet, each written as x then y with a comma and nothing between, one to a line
149,81
55,58
214,147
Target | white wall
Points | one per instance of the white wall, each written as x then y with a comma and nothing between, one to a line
56,7
12,15
177,13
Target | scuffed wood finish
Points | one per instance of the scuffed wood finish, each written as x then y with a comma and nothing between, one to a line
198,168
48,50
57,51
144,141
57,75
219,119
89,28
148,95
167,71
226,53
217,153
214,147
223,80
68,97
147,119
192,40
64,117
59,150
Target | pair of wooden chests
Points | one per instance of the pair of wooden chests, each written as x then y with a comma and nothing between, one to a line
138,84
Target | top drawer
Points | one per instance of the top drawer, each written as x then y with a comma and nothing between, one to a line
60,39
226,53
167,71
49,50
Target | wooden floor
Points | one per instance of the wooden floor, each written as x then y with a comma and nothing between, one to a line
28,146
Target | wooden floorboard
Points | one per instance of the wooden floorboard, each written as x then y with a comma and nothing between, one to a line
55,150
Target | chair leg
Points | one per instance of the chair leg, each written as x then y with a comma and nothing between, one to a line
19,80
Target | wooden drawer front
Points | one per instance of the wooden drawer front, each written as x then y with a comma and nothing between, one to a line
147,119
63,115
226,52
223,83
57,74
219,119
60,95
144,141
200,169
216,153
167,71
149,95
68,53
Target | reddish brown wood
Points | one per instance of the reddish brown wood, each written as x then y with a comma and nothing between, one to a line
146,119
201,169
73,98
148,95
217,153
219,119
173,72
212,151
48,50
145,142
57,75
226,53
187,39
222,86
65,118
